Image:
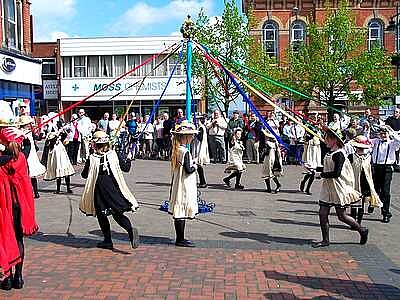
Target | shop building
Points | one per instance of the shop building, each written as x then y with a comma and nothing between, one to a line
89,64
48,94
283,23
19,71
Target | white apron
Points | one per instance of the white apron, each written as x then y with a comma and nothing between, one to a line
35,167
269,161
58,163
183,193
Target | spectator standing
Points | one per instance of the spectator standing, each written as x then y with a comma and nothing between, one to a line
148,137
273,122
180,117
217,127
394,123
113,125
252,140
85,129
168,125
159,136
103,124
73,139
296,145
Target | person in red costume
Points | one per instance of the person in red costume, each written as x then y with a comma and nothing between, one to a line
17,211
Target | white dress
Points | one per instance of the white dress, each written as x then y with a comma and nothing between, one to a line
339,191
183,193
199,149
269,160
35,167
235,162
58,163
312,154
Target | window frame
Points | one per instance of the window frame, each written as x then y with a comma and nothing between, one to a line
49,61
275,30
79,66
294,41
380,27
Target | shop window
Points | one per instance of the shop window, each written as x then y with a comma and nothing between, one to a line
119,65
67,66
133,62
147,68
161,69
79,66
106,66
93,66
171,64
375,33
48,66
270,38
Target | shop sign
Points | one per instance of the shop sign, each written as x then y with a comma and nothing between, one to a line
8,64
50,89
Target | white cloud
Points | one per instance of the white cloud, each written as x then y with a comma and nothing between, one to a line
143,15
50,17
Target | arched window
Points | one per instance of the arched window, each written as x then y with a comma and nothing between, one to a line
297,34
270,38
375,33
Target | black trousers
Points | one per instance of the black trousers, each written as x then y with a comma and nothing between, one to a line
382,176
104,224
73,148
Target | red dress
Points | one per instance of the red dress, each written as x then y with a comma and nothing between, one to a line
15,186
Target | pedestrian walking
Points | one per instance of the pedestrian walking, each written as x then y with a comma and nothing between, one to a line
183,193
106,192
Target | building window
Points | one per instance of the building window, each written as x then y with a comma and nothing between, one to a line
67,66
48,66
106,66
80,66
119,65
147,68
375,33
133,62
93,66
297,34
270,38
161,69
10,23
171,64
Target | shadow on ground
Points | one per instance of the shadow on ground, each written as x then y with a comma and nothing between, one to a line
266,238
303,223
144,239
346,288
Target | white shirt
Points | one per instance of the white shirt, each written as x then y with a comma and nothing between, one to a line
148,132
296,133
384,152
85,126
217,129
274,124
113,124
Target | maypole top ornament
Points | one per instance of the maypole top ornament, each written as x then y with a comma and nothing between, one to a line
187,28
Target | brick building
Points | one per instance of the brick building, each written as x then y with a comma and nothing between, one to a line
49,94
19,72
284,22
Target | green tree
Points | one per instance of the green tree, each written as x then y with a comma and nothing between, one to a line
228,36
336,61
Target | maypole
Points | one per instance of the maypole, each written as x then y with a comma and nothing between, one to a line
187,31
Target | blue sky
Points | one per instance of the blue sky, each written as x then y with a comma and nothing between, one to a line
93,18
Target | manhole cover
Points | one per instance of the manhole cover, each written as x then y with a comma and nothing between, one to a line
246,213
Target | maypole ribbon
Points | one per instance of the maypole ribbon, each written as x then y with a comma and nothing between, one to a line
231,76
106,86
159,100
245,97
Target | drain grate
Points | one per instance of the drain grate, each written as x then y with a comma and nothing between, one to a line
246,213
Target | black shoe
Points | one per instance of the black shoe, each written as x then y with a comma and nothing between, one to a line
6,284
105,245
278,189
268,191
308,193
363,236
320,244
134,237
57,192
386,219
37,196
17,282
69,191
227,182
370,209
203,185
239,187
184,243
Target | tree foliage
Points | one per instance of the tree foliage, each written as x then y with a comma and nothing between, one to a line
336,60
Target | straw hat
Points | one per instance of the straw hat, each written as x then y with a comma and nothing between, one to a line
100,137
7,123
52,136
361,142
337,133
185,128
25,120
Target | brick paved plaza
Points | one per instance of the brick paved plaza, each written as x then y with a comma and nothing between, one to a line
254,246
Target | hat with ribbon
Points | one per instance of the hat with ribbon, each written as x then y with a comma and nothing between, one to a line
12,134
185,127
25,120
100,137
361,142
337,133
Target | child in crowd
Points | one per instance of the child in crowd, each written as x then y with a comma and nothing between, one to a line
272,162
183,194
361,162
312,160
235,163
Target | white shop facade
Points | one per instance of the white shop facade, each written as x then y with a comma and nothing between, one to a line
88,65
